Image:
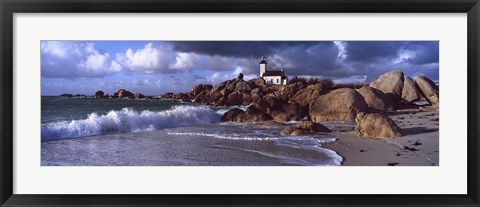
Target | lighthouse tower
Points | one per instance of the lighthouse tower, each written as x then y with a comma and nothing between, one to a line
263,66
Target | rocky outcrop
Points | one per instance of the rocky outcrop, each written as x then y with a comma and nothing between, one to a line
304,128
230,115
305,96
338,105
410,92
280,110
252,114
376,100
376,126
238,98
99,94
429,89
242,86
230,92
240,92
258,82
200,88
311,100
390,83
291,89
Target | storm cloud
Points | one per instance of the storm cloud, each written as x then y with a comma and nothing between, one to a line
336,59
326,58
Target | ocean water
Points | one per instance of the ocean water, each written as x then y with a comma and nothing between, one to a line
155,132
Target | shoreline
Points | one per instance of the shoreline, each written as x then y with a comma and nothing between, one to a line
419,147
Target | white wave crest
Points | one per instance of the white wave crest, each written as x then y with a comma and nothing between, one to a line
128,120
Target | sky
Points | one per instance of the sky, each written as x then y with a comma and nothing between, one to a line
157,67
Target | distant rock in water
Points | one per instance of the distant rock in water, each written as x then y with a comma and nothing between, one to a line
99,94
139,95
338,105
68,95
376,126
390,83
122,93
429,89
304,128
167,95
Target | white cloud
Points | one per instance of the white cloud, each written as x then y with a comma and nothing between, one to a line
342,50
403,56
55,48
67,59
216,78
72,59
149,59
186,61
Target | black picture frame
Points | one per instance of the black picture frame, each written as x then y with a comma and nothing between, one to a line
9,7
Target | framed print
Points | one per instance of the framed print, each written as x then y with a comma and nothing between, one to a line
260,103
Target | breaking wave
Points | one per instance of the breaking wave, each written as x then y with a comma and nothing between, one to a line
128,120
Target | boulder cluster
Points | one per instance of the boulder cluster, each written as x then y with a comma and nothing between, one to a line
400,88
122,93
318,101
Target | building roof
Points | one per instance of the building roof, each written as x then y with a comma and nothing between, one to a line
274,73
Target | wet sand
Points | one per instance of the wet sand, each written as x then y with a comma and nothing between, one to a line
190,146
418,147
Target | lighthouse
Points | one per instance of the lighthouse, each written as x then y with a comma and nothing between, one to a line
275,77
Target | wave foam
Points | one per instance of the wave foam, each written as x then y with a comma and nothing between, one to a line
252,138
128,120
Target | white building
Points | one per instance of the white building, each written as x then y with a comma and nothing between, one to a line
276,77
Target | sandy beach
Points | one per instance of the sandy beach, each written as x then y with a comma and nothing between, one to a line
419,146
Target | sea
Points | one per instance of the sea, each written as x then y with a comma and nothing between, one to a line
156,132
